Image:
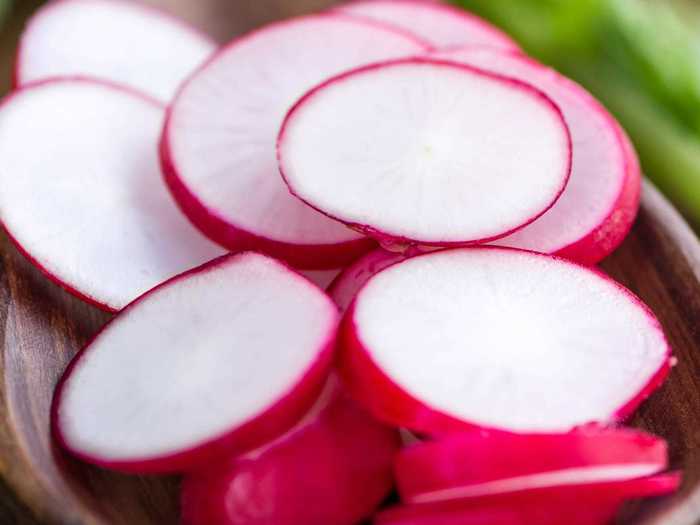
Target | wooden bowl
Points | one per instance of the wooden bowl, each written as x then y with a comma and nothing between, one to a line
43,327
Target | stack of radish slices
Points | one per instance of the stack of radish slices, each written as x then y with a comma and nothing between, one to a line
456,193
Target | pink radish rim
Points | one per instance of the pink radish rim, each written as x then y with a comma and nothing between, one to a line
424,418
383,236
296,400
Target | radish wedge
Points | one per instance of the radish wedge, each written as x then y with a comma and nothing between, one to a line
217,361
118,41
346,285
600,203
477,464
82,193
579,504
499,339
229,114
433,166
441,25
332,468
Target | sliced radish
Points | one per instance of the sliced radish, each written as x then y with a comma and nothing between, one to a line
82,193
346,285
229,114
441,25
433,166
476,464
600,203
333,468
217,361
581,504
118,41
502,339
321,278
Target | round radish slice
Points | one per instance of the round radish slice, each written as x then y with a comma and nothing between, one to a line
441,25
333,468
229,113
217,361
500,339
581,504
118,41
344,288
600,203
82,193
476,464
435,165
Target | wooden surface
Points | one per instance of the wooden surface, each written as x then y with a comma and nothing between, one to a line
41,328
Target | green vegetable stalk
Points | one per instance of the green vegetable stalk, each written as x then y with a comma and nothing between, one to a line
639,58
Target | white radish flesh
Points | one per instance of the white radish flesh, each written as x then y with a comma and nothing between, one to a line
229,114
441,25
598,207
83,194
416,151
114,40
216,361
502,339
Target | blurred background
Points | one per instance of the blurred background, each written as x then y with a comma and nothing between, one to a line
640,57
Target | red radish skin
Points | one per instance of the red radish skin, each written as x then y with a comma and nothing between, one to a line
267,219
321,278
143,242
333,468
600,203
479,463
313,155
134,45
584,504
441,25
408,402
130,448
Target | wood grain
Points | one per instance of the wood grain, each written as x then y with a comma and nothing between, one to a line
42,327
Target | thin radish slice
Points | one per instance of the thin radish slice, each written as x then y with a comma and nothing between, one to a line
441,25
321,278
476,464
82,193
346,285
600,203
500,339
117,41
582,504
229,114
217,361
332,468
433,166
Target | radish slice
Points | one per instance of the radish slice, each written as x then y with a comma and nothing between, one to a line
434,166
82,193
441,25
117,41
502,339
216,361
600,203
229,114
344,288
581,504
477,464
333,468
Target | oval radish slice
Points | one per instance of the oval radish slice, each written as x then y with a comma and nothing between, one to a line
600,203
229,113
476,464
82,193
441,25
434,166
332,468
499,338
346,285
118,41
218,360
582,504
